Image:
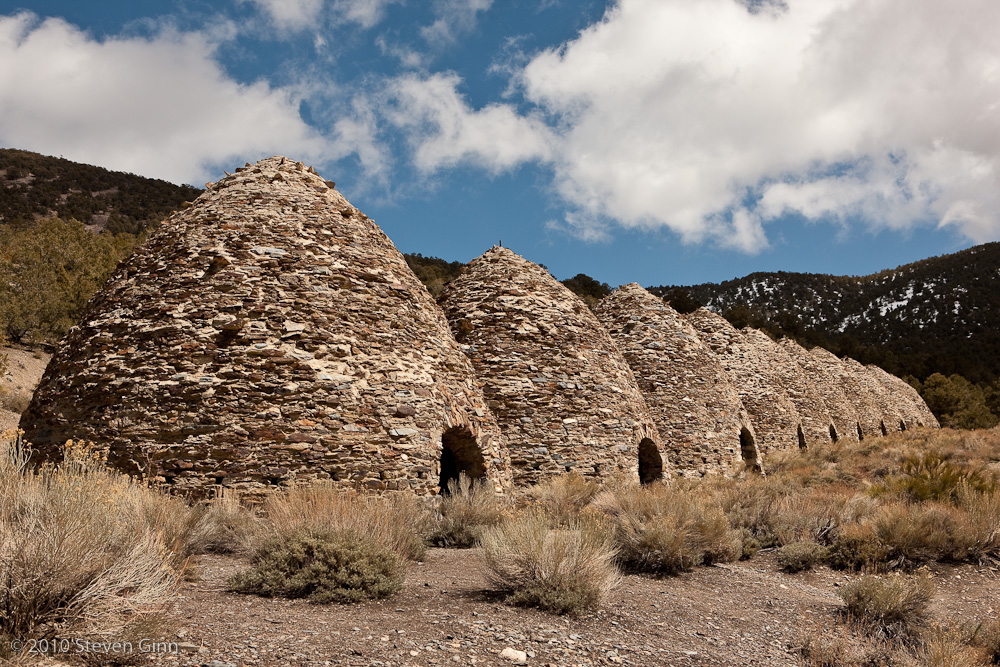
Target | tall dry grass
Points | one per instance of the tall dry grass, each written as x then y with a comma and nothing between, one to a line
463,514
664,530
397,521
566,568
84,550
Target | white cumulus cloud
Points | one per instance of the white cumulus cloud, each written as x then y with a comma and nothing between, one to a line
445,131
158,106
711,119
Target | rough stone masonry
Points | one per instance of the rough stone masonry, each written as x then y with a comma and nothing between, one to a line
269,333
563,394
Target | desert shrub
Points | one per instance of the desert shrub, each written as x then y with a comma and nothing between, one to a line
77,552
323,566
564,569
463,514
663,530
986,637
226,524
753,504
749,545
565,496
397,521
811,515
932,476
799,556
894,605
856,547
946,647
982,523
921,533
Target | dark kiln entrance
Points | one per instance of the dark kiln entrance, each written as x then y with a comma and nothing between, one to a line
459,454
650,462
749,451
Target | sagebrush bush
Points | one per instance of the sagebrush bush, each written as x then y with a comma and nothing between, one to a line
894,605
934,476
564,497
799,556
915,533
856,547
397,521
565,569
78,552
663,530
946,647
470,507
323,566
227,525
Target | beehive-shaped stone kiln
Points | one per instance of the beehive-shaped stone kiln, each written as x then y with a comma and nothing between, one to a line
564,396
867,412
270,333
888,406
909,402
698,414
775,418
843,418
782,370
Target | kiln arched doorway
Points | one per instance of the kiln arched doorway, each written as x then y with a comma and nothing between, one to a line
885,431
459,454
833,433
748,450
650,462
861,435
802,438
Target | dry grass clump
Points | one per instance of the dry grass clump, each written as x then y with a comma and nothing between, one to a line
331,545
322,565
226,523
986,637
892,606
934,476
664,530
566,569
946,647
564,497
397,521
799,556
470,507
80,550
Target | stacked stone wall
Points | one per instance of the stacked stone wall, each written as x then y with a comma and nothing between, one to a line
843,417
697,411
774,416
867,412
912,406
562,393
269,333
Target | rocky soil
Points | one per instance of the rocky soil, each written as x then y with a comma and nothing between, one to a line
738,614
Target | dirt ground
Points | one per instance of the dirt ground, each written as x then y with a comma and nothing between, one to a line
737,614
18,383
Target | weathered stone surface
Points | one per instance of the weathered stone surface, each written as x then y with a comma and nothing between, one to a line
697,412
269,333
888,406
774,416
913,409
868,415
564,396
782,370
843,417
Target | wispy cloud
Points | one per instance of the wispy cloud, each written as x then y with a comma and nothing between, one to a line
454,17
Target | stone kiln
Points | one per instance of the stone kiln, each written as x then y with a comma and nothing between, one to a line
562,393
843,418
270,333
909,402
775,418
780,369
858,391
697,412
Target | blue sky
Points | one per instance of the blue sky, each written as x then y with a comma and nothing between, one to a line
657,141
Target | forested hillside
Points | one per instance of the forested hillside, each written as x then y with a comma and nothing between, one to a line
34,186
